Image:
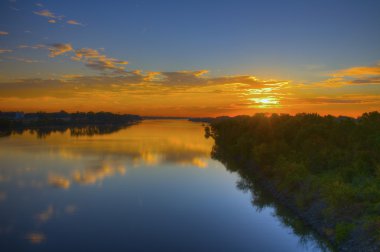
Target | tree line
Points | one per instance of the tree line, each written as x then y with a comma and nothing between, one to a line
324,168
79,122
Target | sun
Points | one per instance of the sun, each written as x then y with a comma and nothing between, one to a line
265,102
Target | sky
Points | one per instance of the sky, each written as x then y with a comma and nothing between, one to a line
190,58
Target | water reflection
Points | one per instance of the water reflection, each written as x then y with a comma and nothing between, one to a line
91,175
262,198
63,157
103,155
142,188
85,130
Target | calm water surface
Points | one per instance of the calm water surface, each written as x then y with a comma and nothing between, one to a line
148,187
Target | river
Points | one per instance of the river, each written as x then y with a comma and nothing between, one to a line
148,187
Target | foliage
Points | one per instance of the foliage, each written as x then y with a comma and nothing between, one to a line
325,160
79,123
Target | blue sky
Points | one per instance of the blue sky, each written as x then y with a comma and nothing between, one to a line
302,41
276,38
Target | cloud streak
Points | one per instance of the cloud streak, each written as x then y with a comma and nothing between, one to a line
37,46
359,71
54,18
47,13
353,76
59,48
184,90
5,51
24,60
74,22
97,61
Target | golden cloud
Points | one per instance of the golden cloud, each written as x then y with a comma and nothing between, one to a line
74,22
93,59
182,89
359,71
58,49
327,100
3,33
358,75
47,13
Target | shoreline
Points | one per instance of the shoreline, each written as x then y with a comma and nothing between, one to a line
309,218
320,168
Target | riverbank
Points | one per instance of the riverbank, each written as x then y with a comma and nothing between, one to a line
324,169
79,123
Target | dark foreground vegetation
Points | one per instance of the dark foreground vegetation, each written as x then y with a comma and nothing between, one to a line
79,123
326,170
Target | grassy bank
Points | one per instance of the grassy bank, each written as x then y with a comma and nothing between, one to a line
325,169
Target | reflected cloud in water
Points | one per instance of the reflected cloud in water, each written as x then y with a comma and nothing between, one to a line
59,181
35,237
63,157
91,175
70,209
3,196
45,215
144,171
151,143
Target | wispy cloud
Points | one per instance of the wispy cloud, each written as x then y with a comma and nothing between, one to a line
95,60
73,22
5,51
54,18
48,14
37,46
90,57
59,48
24,60
187,90
32,88
357,75
3,33
136,83
371,80
329,100
358,71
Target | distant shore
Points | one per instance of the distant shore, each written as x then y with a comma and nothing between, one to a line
79,123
